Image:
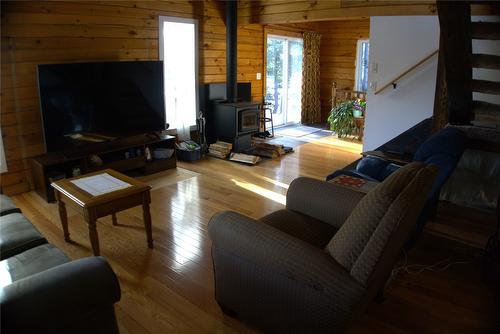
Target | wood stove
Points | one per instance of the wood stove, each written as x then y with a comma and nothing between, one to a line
236,123
232,119
248,120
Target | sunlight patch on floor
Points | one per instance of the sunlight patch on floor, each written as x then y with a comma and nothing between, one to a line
168,177
344,145
269,194
275,182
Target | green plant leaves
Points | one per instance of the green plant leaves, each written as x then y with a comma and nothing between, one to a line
341,119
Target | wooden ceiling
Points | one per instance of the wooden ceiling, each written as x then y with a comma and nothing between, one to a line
289,11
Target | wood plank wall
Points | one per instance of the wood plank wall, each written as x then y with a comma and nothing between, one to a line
36,32
337,52
279,11
338,56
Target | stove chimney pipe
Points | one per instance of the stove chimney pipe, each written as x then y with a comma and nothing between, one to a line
231,50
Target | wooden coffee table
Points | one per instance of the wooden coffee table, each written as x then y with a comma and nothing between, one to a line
93,207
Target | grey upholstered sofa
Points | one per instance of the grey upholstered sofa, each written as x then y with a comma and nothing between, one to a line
43,291
312,266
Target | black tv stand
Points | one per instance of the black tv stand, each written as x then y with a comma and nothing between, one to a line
153,135
122,154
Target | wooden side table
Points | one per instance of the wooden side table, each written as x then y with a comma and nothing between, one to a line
359,123
95,207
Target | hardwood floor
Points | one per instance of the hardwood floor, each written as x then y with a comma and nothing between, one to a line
170,288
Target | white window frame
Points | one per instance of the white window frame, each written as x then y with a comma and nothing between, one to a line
161,46
358,59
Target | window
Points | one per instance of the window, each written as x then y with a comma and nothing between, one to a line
179,52
362,59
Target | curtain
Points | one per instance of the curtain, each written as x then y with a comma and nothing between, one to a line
3,163
311,104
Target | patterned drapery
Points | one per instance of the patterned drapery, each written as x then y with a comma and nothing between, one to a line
311,104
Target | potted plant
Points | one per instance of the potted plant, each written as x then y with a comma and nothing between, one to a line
359,108
342,116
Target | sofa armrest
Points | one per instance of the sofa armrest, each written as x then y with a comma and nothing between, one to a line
324,201
400,158
51,300
281,255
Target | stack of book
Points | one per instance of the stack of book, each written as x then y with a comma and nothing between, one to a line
220,149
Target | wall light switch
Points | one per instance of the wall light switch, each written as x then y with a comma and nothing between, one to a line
373,85
259,76
375,68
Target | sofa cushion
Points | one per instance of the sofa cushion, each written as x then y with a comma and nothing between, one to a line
351,239
17,234
402,208
30,262
305,228
7,206
372,166
449,141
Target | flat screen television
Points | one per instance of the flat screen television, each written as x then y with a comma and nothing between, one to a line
85,103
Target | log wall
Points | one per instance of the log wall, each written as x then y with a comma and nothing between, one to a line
338,56
83,31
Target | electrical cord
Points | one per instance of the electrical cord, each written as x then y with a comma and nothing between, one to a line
417,269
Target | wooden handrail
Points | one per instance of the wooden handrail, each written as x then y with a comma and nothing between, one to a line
393,82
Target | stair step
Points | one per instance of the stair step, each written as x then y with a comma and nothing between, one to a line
485,107
485,139
486,61
486,112
486,87
485,30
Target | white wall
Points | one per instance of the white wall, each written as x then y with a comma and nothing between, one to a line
397,43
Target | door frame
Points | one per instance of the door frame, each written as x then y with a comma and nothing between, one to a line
276,32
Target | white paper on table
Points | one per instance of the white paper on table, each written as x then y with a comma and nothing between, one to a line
100,184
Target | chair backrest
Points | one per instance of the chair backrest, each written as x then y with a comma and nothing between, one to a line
381,221
443,150
339,96
450,141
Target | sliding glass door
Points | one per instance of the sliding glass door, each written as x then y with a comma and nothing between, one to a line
284,78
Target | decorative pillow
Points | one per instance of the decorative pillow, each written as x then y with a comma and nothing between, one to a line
372,166
407,205
352,238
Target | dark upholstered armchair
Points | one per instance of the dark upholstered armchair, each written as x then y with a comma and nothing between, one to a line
43,291
309,267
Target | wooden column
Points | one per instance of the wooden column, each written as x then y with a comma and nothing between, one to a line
440,116
455,24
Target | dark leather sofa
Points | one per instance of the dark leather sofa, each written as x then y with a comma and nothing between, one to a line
43,291
442,149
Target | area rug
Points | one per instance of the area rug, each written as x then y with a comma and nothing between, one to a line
296,131
293,142
286,141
